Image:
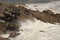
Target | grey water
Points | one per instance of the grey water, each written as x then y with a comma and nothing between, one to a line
29,1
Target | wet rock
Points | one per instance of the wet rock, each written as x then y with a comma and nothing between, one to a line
8,14
2,28
14,34
3,38
1,14
12,27
48,12
47,16
42,31
8,27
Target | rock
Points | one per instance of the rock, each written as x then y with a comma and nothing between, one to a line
14,34
1,14
8,16
42,31
48,12
3,38
6,26
12,27
47,16
2,28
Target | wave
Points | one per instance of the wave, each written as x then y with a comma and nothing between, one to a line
54,6
39,30
36,29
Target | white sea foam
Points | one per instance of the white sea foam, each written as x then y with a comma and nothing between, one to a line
5,35
32,29
54,6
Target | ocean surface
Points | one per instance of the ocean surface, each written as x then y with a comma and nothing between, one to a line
29,1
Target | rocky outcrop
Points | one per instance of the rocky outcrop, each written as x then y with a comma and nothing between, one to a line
47,16
10,13
8,17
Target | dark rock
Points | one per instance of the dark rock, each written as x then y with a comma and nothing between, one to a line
42,31
14,34
48,12
12,27
8,14
47,16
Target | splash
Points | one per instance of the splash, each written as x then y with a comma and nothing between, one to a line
38,30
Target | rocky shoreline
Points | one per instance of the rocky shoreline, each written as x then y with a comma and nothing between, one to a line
9,13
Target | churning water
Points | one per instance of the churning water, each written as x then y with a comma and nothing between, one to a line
38,30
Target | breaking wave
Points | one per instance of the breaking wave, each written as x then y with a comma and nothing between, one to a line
39,30
54,6
36,29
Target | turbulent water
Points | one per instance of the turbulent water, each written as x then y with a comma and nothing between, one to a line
54,6
38,30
